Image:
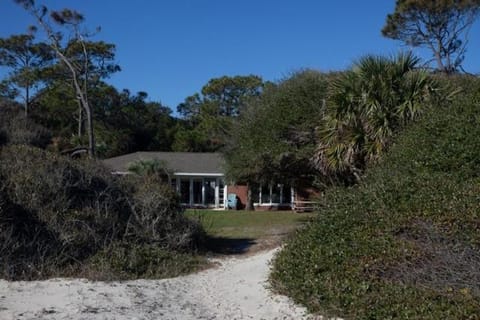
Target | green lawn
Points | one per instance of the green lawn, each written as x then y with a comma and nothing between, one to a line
249,224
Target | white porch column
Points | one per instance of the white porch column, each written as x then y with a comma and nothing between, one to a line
217,193
203,191
225,197
260,195
270,194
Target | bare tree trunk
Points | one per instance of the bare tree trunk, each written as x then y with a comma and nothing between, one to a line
85,93
80,120
81,96
249,204
91,136
80,92
27,100
438,57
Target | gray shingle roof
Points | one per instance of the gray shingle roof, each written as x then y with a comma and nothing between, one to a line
184,162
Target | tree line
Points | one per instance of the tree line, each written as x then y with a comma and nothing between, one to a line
61,84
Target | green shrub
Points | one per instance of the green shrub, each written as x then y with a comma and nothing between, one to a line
124,261
404,243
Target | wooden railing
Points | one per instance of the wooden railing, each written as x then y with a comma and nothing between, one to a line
304,206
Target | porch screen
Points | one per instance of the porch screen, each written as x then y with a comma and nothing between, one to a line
185,190
197,191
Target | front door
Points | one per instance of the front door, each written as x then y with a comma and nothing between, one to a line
197,191
209,191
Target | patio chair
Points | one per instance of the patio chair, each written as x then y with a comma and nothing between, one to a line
232,201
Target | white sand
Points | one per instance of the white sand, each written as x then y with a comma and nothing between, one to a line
237,289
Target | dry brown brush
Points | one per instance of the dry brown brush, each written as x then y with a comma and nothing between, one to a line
58,213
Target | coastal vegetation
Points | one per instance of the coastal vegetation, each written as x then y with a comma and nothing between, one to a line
402,243
391,145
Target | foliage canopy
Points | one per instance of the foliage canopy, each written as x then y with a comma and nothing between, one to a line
367,105
441,26
404,242
26,60
274,136
209,116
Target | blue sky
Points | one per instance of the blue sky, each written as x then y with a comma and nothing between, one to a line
171,48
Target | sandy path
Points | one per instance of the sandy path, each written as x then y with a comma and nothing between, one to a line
237,289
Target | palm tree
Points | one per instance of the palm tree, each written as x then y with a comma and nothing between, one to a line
150,168
367,104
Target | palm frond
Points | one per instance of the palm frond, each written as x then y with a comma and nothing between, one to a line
367,105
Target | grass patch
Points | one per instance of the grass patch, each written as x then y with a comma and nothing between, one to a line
249,224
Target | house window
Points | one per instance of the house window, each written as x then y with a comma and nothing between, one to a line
276,192
272,194
209,185
265,193
173,183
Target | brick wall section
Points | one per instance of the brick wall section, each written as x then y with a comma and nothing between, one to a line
307,194
241,192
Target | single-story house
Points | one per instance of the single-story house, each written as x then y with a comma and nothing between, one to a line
199,179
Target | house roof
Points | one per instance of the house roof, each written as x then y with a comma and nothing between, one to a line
178,162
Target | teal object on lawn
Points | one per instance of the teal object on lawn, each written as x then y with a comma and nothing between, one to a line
232,201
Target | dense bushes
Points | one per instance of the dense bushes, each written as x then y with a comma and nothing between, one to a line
25,242
404,243
156,214
125,260
273,139
16,129
57,213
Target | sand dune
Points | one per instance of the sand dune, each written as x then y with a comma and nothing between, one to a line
236,289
